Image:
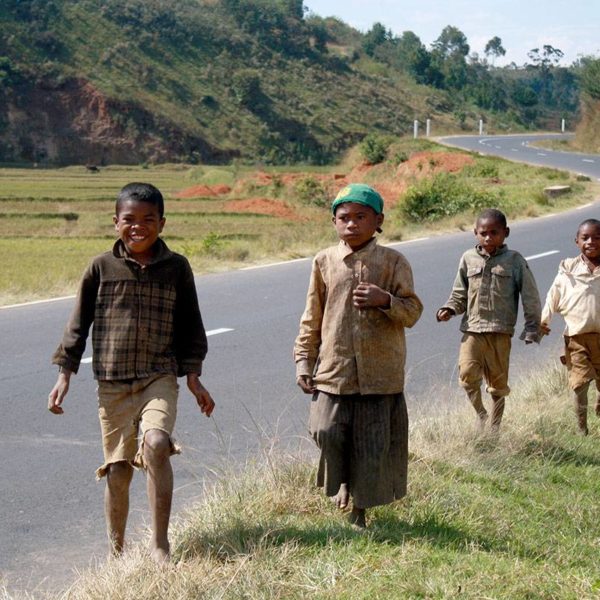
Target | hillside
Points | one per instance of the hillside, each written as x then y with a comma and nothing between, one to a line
133,81
588,130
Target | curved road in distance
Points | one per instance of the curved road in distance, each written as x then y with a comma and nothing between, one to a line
51,516
519,148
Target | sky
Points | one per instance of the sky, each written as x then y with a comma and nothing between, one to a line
572,26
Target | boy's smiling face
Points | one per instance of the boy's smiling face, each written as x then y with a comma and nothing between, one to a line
356,224
588,241
491,234
138,224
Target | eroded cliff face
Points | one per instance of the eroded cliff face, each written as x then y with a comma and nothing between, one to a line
72,122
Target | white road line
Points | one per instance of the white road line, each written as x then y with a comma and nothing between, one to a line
549,253
37,302
587,160
218,331
275,264
514,149
541,154
498,147
585,205
88,359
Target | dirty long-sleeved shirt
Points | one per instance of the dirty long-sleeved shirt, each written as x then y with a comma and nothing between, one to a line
146,319
575,294
486,292
349,350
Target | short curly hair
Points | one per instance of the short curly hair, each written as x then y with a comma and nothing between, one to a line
141,192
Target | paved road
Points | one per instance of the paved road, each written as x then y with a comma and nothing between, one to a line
50,506
519,148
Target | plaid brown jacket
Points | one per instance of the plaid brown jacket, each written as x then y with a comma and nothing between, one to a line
146,319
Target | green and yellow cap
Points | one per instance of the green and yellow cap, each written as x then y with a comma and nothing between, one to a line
361,194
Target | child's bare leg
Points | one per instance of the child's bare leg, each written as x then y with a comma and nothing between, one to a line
497,412
159,485
580,397
475,398
357,517
342,498
116,503
597,407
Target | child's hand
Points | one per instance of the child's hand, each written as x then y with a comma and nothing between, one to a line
545,330
444,314
368,295
58,393
306,384
203,397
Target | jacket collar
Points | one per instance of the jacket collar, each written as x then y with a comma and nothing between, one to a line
345,250
498,252
161,251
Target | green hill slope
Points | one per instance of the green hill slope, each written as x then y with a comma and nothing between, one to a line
128,81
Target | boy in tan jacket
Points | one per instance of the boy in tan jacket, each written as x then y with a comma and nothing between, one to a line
575,294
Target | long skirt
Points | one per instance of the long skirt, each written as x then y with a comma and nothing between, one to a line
364,443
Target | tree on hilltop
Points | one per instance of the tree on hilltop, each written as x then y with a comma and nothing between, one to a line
494,48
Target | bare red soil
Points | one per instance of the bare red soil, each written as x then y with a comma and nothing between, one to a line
203,191
261,206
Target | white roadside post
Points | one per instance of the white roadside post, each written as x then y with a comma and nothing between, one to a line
416,129
562,126
480,126
428,127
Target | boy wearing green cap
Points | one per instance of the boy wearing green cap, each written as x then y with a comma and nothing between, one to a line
350,356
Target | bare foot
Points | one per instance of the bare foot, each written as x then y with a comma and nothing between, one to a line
357,518
160,555
481,421
342,498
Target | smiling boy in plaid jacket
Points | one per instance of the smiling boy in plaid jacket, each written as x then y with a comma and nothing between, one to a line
142,301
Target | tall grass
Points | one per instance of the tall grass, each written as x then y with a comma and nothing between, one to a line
514,516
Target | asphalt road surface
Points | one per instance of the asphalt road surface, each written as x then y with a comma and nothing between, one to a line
520,148
51,516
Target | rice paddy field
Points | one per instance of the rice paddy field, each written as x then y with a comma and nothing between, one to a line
53,221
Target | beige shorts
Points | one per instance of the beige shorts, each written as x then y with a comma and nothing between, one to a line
127,409
582,357
485,356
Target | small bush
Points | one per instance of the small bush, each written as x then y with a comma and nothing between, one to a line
310,191
443,195
211,243
399,157
374,148
482,169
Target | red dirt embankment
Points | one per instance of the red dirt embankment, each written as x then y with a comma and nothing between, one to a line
203,191
389,182
261,206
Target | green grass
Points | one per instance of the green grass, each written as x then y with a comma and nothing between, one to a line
512,517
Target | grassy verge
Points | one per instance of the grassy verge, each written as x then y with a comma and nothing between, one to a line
53,221
514,517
